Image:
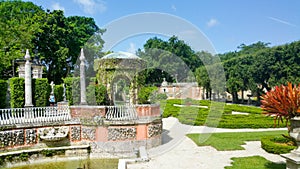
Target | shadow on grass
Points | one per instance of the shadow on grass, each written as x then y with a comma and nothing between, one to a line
272,165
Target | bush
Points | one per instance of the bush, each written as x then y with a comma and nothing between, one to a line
59,93
41,92
101,95
3,90
144,94
277,144
157,97
72,90
17,92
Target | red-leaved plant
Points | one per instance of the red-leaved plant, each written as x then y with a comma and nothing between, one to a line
282,102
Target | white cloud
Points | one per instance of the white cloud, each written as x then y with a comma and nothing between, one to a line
57,6
174,7
132,48
281,21
212,22
92,6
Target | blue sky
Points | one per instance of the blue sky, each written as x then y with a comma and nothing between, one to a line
225,23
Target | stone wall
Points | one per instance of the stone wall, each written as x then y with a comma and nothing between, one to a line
121,133
27,136
148,110
75,133
12,138
88,133
87,112
154,130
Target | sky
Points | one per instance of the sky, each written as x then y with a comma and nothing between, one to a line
219,25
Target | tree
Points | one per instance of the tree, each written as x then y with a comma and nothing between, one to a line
172,59
19,22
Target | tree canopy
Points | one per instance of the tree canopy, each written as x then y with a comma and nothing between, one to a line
56,39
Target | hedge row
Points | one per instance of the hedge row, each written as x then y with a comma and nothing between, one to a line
40,92
277,144
17,92
3,90
72,90
96,93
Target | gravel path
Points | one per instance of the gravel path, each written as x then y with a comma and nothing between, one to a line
180,152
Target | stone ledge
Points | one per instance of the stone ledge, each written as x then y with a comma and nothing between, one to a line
41,149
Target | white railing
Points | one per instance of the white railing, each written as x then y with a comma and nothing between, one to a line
34,115
121,113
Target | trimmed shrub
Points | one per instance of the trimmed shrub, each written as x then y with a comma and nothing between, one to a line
59,93
144,94
41,92
3,89
72,90
101,94
277,144
17,92
97,94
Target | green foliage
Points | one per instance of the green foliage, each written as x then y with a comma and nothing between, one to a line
24,25
72,90
144,94
277,144
48,153
17,92
201,116
19,22
101,94
230,141
59,92
156,97
254,162
3,90
24,156
41,92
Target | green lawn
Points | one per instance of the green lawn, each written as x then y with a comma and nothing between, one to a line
254,162
230,141
218,115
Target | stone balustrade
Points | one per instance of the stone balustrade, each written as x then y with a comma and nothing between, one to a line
121,113
32,115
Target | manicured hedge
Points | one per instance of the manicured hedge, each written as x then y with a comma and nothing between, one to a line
220,116
277,144
144,94
59,93
17,92
41,92
3,90
96,94
72,90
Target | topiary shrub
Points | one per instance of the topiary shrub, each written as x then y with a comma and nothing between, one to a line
144,94
72,90
277,144
3,89
59,93
41,92
17,92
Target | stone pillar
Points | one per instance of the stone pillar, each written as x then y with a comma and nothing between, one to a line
82,79
28,89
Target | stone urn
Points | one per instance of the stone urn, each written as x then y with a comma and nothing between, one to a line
293,158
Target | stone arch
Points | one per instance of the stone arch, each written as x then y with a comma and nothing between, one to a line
119,65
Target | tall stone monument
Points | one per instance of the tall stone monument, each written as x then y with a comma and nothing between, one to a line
28,79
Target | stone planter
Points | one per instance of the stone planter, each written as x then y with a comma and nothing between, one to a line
293,158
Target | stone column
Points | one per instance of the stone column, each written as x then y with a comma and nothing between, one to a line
82,79
28,89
